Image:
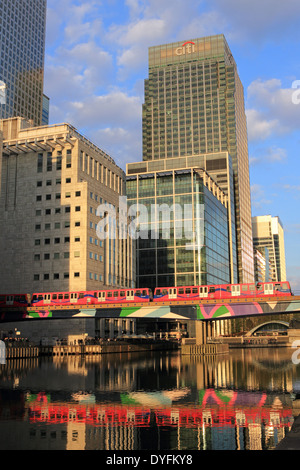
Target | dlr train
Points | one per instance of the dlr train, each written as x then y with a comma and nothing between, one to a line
144,295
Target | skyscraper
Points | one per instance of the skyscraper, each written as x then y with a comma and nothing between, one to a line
22,46
268,234
194,105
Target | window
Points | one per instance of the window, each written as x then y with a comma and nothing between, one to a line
46,277
69,159
58,162
78,193
36,277
49,161
47,241
77,208
56,276
40,163
37,257
46,255
56,240
67,239
76,274
76,254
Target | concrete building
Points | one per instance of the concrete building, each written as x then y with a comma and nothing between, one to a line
59,207
22,50
268,233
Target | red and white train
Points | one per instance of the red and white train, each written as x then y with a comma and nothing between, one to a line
161,294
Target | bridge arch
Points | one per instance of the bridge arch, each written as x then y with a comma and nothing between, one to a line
270,326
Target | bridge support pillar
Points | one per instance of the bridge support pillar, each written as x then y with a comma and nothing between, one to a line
201,332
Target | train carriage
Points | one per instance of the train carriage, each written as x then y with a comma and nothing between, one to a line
221,291
91,297
15,300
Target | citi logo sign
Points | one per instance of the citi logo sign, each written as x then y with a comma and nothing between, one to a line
186,48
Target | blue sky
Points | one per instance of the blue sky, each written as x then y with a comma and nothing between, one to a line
97,59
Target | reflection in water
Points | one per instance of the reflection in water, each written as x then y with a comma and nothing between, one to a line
243,400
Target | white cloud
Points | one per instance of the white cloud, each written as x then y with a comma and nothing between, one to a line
270,109
258,198
270,154
253,20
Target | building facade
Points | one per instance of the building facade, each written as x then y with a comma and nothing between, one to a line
194,105
268,233
182,224
59,211
22,46
262,267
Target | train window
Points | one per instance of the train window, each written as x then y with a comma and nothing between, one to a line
164,292
2,298
138,292
66,296
144,292
109,294
122,293
244,288
116,293
81,295
54,296
252,287
277,286
157,291
258,286
285,285
34,297
60,296
227,288
181,291
212,289
40,297
195,290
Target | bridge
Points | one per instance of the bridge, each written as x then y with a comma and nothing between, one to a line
205,310
200,320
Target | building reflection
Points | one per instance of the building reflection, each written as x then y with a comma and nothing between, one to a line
237,401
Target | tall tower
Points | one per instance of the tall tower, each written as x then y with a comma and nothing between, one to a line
22,46
268,234
194,105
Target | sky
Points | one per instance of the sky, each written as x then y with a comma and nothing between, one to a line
96,61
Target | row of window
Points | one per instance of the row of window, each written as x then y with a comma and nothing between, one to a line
57,276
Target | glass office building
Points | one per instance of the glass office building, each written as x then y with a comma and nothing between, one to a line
194,105
22,45
182,228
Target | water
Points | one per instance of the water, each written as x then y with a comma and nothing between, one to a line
160,401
